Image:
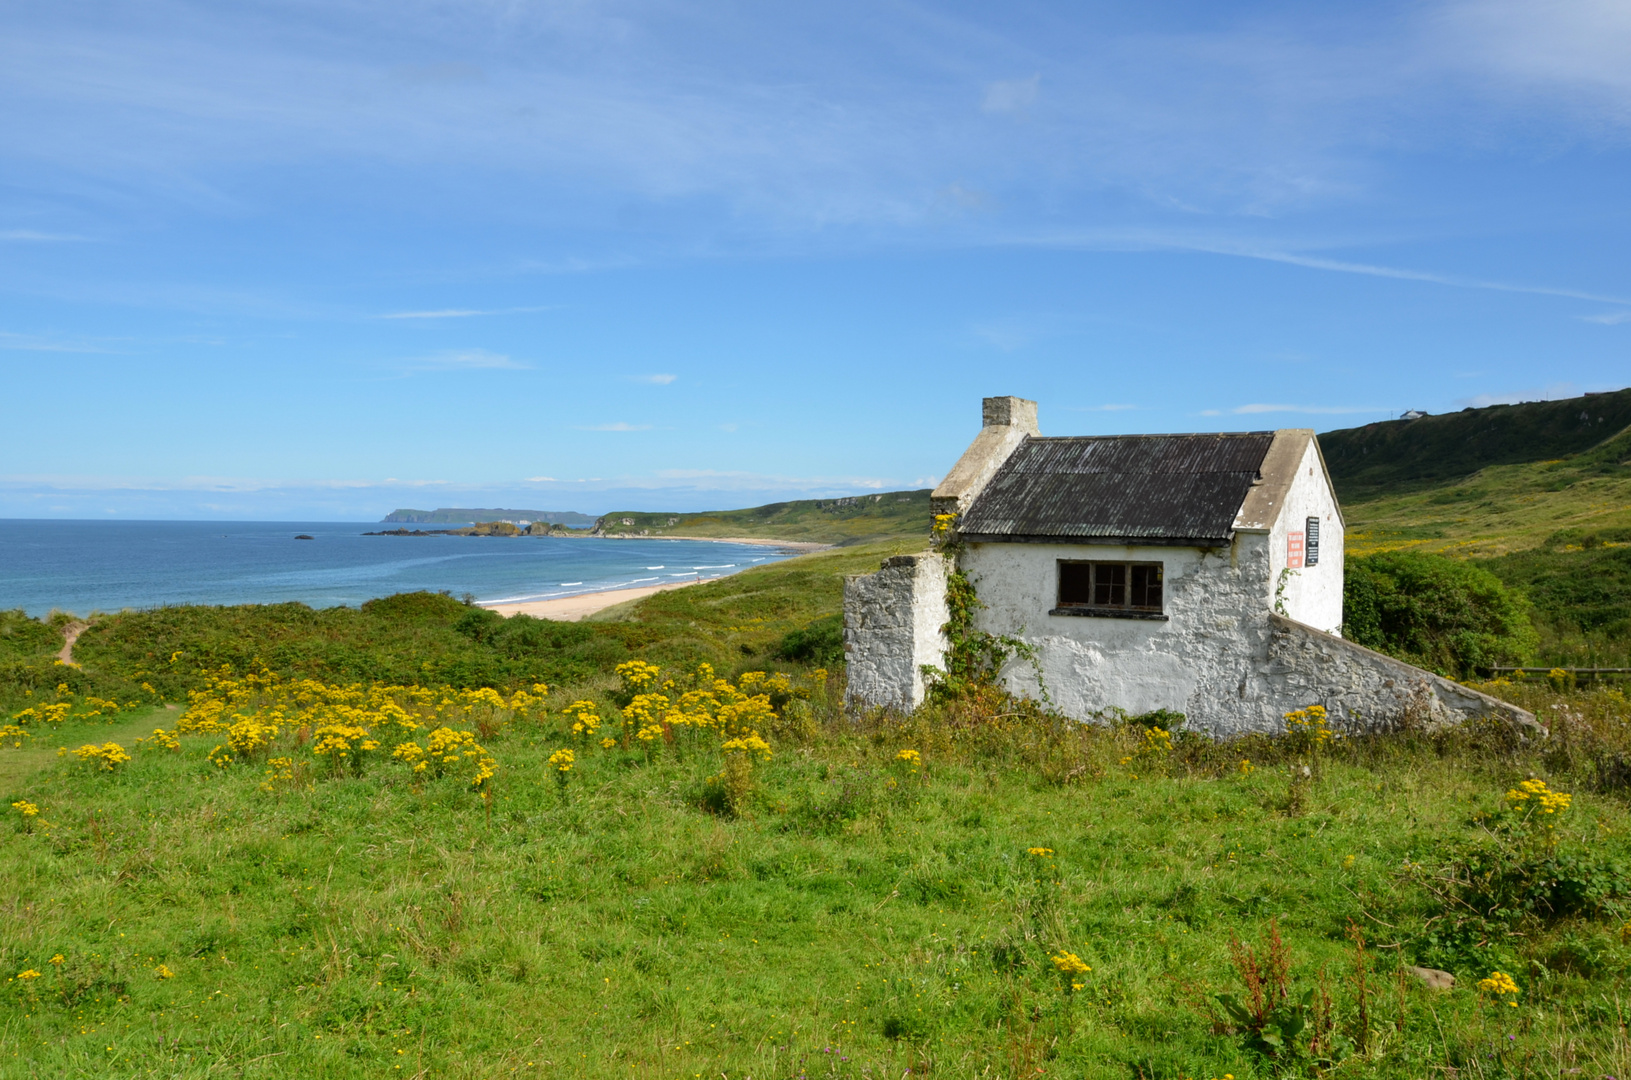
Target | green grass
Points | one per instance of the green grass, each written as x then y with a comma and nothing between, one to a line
858,519
1500,509
858,922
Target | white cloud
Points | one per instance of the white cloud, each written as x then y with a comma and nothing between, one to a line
462,313
1011,95
1573,50
1550,392
468,360
618,426
655,380
1609,318
31,236
1322,410
35,343
542,480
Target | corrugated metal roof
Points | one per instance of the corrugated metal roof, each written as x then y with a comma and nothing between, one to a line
1161,489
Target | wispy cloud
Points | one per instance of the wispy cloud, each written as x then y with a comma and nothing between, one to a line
617,426
463,313
730,479
1316,410
655,380
30,236
1549,392
1010,95
1609,318
467,360
1314,262
36,343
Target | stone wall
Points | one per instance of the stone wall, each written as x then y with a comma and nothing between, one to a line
1364,690
892,626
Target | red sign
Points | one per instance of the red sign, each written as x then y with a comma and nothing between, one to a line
1294,550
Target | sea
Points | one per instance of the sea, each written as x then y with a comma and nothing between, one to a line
86,566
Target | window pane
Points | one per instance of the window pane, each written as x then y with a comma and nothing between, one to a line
1110,584
1147,587
1075,583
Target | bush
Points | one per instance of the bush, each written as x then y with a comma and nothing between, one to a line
1440,613
820,642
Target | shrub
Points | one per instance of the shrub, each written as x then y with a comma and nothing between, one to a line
1440,613
819,642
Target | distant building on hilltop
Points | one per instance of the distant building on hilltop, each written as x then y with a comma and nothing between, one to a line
1201,574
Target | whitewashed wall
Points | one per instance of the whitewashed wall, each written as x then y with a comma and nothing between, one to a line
1215,631
1313,594
892,627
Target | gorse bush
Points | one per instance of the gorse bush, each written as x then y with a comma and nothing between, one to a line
1447,615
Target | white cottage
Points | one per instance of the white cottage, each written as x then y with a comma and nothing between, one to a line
1196,573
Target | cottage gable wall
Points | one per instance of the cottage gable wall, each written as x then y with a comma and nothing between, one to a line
1311,594
1214,631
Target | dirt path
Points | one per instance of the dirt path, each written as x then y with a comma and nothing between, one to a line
70,634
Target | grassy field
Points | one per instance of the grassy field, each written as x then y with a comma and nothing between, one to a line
1501,509
858,519
861,916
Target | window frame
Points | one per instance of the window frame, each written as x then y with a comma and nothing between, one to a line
1110,611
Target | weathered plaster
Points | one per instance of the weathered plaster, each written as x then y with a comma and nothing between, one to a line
1092,663
1006,422
1312,594
893,623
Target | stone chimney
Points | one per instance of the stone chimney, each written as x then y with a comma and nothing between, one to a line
1008,421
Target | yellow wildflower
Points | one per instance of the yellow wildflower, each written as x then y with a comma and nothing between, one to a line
28,975
1498,983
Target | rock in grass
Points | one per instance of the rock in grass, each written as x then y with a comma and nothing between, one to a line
1433,977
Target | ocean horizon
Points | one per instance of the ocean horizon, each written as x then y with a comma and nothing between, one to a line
97,565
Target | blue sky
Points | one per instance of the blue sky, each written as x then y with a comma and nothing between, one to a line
313,260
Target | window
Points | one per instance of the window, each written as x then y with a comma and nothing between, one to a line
1311,545
1117,589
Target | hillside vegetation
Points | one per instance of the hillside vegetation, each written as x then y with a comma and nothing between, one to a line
1552,519
1399,455
856,519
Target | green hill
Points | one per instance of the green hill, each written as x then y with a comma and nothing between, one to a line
1397,455
1549,511
855,519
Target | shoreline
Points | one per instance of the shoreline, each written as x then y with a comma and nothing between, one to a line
583,605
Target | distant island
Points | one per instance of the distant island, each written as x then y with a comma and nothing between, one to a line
465,516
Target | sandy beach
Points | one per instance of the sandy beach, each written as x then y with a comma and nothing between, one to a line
573,608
